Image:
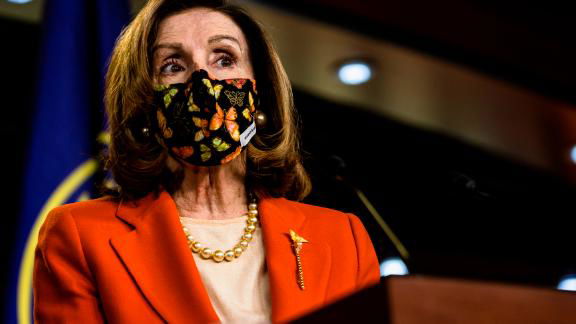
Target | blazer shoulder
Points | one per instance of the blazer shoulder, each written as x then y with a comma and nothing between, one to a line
320,214
97,209
331,222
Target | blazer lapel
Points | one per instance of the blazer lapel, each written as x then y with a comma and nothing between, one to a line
157,256
278,216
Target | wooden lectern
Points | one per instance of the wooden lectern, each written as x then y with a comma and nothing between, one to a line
430,300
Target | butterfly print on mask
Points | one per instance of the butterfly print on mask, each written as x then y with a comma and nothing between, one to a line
206,121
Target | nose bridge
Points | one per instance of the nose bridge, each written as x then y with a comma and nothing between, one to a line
199,56
193,67
199,64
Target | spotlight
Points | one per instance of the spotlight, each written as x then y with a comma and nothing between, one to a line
393,266
573,154
354,72
567,283
19,1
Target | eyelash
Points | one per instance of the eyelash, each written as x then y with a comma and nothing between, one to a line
173,61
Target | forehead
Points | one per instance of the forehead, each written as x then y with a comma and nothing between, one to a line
196,25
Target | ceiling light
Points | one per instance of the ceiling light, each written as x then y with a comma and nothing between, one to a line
354,72
19,1
567,283
393,266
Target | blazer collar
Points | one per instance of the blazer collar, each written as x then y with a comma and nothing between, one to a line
157,256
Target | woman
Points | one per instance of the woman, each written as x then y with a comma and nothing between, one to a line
204,226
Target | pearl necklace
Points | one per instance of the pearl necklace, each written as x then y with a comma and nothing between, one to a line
229,255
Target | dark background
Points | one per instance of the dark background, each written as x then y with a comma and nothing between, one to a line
523,232
528,43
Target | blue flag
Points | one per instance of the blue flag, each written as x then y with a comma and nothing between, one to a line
78,39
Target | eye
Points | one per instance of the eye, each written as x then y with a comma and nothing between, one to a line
226,60
170,67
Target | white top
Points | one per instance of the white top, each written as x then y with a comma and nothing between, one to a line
239,289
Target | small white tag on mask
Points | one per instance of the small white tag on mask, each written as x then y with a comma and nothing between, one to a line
247,134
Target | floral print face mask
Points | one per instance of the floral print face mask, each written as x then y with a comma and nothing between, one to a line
204,121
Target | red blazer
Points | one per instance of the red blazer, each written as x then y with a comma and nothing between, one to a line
100,260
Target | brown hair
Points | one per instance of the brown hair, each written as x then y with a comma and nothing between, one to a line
138,162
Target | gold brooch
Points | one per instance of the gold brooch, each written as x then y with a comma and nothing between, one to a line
297,244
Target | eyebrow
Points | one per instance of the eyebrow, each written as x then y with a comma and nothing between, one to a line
177,46
213,39
217,38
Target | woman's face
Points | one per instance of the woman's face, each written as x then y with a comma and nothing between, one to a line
199,38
